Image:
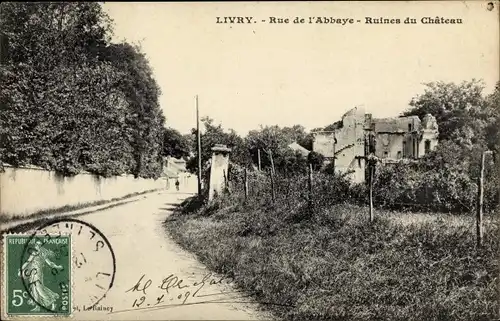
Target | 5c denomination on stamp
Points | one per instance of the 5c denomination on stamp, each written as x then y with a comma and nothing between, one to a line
37,275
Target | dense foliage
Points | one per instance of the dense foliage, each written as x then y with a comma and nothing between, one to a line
272,141
328,262
440,182
445,180
175,144
70,99
214,134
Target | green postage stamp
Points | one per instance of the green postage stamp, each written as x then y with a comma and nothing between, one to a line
37,275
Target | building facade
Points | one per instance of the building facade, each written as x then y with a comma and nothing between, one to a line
390,139
174,169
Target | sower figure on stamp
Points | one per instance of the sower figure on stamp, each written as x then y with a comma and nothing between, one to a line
32,271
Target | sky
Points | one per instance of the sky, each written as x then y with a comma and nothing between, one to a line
247,75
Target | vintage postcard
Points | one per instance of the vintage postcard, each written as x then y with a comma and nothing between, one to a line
250,160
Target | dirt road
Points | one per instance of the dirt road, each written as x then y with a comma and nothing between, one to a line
155,279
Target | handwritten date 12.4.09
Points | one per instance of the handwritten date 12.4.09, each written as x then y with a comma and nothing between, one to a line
169,285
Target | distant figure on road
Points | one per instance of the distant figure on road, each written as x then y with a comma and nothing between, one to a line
177,184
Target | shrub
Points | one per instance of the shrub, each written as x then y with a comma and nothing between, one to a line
443,189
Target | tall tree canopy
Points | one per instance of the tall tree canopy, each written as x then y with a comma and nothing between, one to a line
493,127
175,144
71,100
468,125
461,111
275,140
214,134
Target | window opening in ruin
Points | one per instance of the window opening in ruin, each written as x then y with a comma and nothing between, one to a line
427,147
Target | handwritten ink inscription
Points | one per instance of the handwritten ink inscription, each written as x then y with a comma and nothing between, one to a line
171,288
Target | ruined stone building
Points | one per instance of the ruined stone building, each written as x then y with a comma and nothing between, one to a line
391,139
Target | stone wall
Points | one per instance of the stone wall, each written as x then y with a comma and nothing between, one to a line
323,143
347,142
350,145
26,190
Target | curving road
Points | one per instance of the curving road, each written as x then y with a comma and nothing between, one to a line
155,279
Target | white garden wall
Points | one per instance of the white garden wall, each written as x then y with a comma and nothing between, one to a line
26,190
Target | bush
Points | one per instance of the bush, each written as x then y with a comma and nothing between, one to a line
415,186
316,160
443,189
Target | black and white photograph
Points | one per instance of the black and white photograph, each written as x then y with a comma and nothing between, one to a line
281,160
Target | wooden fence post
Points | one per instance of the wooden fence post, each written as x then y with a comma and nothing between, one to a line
479,208
258,159
310,187
246,184
273,192
371,167
333,156
226,183
272,161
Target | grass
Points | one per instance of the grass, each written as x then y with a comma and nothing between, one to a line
334,265
6,217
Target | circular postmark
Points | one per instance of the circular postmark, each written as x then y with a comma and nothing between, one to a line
61,253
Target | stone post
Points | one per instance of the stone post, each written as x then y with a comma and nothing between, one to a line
218,170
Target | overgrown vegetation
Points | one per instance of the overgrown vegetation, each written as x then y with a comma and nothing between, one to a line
71,100
436,184
332,264
444,180
328,262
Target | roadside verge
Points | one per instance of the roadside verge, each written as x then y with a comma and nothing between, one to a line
334,265
19,224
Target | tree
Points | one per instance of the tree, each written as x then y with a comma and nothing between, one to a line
267,139
461,111
332,127
50,76
175,144
291,162
144,116
215,134
67,103
47,35
276,140
295,133
468,125
466,119
316,160
493,128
